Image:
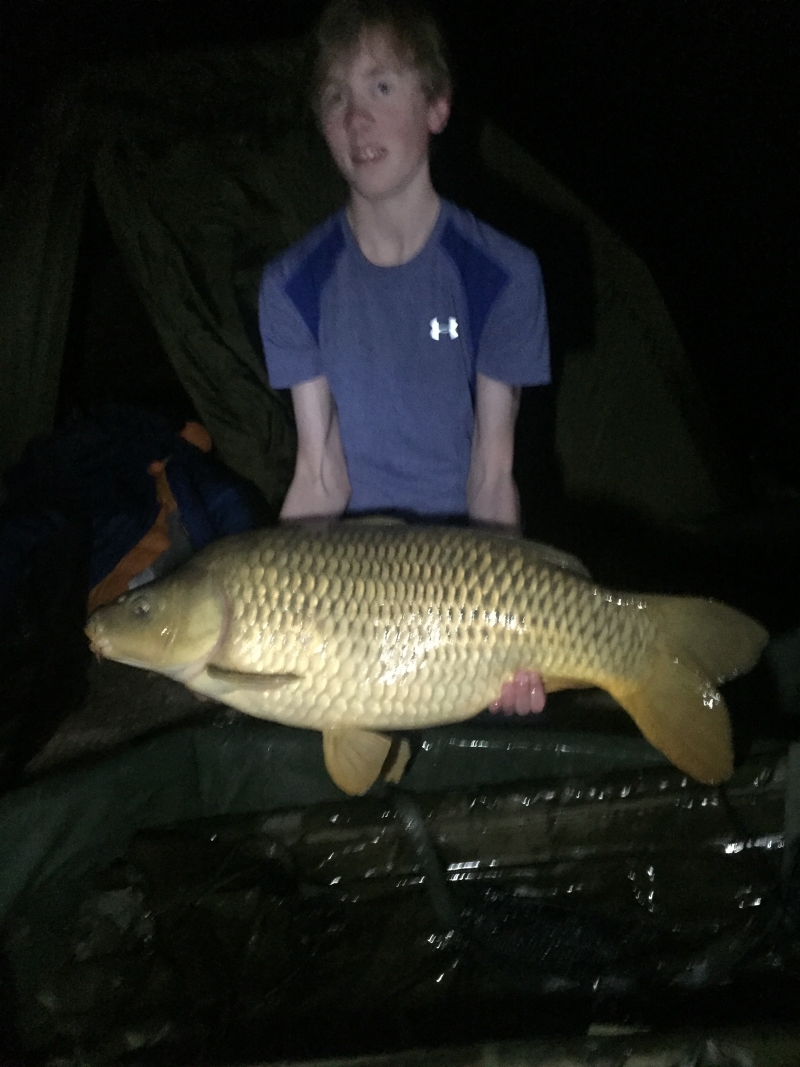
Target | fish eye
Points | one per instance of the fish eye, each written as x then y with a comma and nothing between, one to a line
141,608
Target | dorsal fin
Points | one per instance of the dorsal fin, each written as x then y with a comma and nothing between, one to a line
557,558
375,520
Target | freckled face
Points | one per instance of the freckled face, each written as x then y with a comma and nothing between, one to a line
377,121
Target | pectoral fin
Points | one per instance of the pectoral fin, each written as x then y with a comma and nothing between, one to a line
355,758
248,680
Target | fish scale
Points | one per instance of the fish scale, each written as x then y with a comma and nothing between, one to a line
350,628
453,595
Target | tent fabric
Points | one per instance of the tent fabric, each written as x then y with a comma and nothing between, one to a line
632,384
208,164
41,213
196,204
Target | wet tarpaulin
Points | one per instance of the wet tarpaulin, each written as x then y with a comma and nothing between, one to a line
605,1047
588,884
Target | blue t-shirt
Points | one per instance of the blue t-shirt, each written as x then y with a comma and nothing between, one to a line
400,347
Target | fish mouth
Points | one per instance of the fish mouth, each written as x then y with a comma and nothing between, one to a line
100,647
98,642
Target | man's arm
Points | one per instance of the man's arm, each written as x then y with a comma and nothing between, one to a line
492,495
320,485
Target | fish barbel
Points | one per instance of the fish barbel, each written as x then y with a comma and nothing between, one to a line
355,628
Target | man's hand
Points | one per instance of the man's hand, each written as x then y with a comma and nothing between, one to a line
523,696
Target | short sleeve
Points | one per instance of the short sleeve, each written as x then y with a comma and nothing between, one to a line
290,350
514,345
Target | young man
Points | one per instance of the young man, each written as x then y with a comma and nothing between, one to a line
403,326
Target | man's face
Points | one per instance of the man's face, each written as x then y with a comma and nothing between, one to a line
377,121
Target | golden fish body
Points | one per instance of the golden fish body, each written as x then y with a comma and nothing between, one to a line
351,628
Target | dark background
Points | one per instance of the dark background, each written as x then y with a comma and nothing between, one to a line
676,121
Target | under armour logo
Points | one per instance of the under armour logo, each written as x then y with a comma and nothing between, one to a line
451,329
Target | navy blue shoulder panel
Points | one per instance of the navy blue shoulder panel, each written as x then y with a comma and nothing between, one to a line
483,279
305,286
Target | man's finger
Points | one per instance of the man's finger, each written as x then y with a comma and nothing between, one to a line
507,701
529,693
524,695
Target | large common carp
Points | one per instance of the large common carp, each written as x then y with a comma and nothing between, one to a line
354,628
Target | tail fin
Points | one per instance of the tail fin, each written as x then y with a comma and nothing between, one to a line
722,641
675,702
